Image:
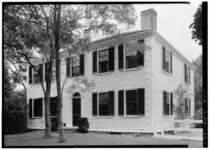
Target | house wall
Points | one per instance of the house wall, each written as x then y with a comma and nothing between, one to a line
117,80
162,81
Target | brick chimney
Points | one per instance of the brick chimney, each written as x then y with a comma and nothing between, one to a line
149,19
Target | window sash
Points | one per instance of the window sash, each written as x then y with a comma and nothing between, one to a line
167,104
103,104
131,102
40,109
167,61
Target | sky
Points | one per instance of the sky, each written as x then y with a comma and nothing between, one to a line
173,22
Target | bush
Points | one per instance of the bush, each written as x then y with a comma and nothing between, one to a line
198,114
83,125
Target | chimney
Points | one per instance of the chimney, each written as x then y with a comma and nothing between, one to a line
149,19
87,34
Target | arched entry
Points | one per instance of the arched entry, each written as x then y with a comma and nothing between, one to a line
76,108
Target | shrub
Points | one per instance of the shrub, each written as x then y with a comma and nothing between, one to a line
198,114
83,125
54,124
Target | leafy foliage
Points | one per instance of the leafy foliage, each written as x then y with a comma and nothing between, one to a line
196,26
198,82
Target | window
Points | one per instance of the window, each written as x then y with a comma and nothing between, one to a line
167,60
53,106
133,57
133,100
187,74
187,107
103,104
168,106
37,107
75,66
103,61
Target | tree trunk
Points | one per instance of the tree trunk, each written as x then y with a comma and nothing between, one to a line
47,116
57,11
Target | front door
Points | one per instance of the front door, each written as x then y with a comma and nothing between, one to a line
76,107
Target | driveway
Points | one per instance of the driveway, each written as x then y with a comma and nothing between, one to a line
75,139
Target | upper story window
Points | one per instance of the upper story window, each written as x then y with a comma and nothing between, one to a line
167,60
103,60
75,66
130,56
34,75
186,74
168,106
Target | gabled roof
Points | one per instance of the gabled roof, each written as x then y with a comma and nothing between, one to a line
118,35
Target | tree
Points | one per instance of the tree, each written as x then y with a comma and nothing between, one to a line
196,26
94,17
25,35
198,82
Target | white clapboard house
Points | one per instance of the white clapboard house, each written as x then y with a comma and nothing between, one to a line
131,90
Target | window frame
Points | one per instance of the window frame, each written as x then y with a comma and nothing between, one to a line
32,105
98,104
125,102
100,51
35,73
124,59
169,95
189,106
169,61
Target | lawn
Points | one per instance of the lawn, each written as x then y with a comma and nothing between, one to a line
73,139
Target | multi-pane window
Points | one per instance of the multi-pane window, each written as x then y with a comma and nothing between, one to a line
131,56
167,60
35,76
104,104
131,102
35,107
103,61
187,74
75,66
168,106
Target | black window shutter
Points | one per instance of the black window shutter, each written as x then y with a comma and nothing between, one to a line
141,59
30,108
67,67
164,103
94,62
30,74
120,57
111,103
185,73
111,59
189,107
41,72
189,75
163,57
82,61
171,104
94,104
141,99
171,65
121,102
41,109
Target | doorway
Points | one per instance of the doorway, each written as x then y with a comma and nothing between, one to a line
76,108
